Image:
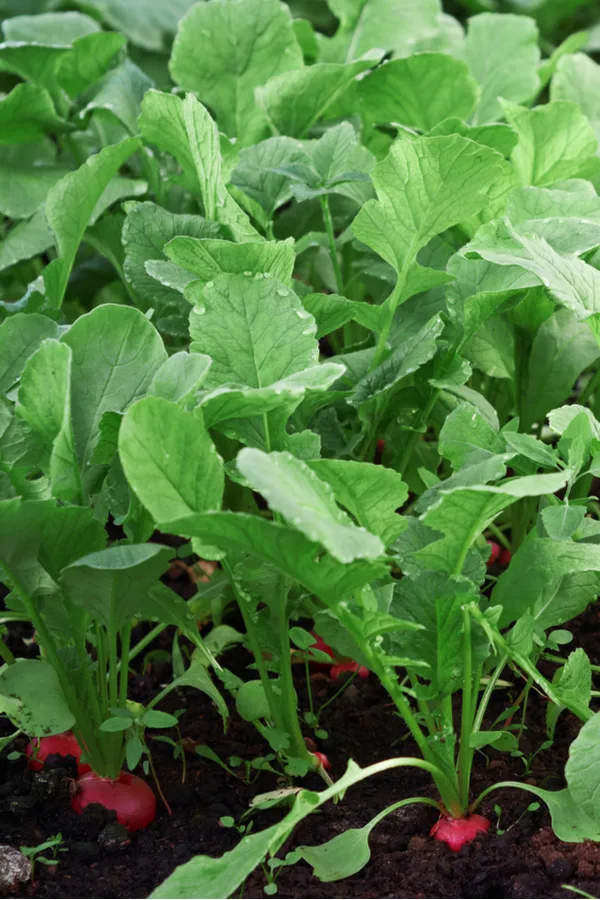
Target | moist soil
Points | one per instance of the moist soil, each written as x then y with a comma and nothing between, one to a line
525,861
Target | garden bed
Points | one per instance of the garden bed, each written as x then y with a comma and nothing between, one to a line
526,861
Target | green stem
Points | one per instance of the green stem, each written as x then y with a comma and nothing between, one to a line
289,700
340,690
308,687
465,753
337,271
487,694
590,388
499,535
420,420
124,670
6,654
147,639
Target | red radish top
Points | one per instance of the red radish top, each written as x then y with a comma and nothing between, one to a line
458,832
341,663
66,744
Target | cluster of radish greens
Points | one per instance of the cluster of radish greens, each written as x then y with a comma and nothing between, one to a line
325,306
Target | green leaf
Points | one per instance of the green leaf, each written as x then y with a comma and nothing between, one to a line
254,329
196,676
532,448
502,53
185,129
287,550
27,172
555,142
31,696
116,353
570,823
293,101
169,460
419,91
44,402
180,377
154,718
370,493
20,336
207,259
26,113
91,56
145,22
423,187
577,79
121,92
462,514
545,212
582,771
561,522
147,229
60,28
70,205
245,44
542,568
331,311
464,431
110,585
292,489
115,724
258,172
405,359
392,25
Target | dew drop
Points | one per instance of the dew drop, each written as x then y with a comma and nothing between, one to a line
248,274
282,292
209,284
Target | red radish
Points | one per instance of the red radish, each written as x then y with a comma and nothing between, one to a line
341,663
495,552
131,798
66,744
505,557
323,761
458,832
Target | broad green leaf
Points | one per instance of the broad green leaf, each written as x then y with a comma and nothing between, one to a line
180,377
423,187
288,550
26,113
577,79
406,358
207,259
570,823
570,281
185,130
582,771
37,63
370,493
257,171
330,311
39,538
562,348
90,58
307,503
60,28
116,353
418,92
145,22
534,449
434,601
546,212
147,229
555,142
20,336
32,698
560,419
502,53
391,25
541,567
169,460
562,521
464,431
121,92
461,515
70,205
27,172
245,43
44,402
110,585
25,240
498,136
492,348
254,329
293,101
251,702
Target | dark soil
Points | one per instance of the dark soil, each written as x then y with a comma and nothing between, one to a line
526,861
